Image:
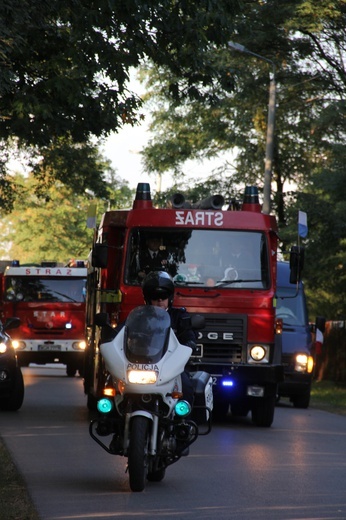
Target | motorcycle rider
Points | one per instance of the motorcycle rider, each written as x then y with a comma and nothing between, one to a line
158,290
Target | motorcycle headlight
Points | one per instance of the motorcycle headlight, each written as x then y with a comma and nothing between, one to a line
142,377
3,347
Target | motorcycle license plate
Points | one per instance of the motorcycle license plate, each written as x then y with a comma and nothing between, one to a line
49,347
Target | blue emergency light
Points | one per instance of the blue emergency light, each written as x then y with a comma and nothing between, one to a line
227,383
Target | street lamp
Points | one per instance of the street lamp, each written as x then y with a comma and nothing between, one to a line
270,126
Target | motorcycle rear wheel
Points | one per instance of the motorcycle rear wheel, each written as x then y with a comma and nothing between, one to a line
138,453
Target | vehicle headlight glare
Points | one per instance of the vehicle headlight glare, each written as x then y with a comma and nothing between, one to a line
3,348
142,377
79,345
304,363
18,345
257,352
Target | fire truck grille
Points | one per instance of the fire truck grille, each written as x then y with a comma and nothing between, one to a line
224,338
50,332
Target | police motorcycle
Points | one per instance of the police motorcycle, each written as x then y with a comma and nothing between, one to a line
143,407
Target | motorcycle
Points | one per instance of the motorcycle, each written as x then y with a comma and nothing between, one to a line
143,406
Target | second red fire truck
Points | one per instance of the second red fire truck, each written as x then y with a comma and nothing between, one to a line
50,301
223,263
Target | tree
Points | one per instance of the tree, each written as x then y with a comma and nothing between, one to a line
66,64
64,68
234,113
307,42
52,226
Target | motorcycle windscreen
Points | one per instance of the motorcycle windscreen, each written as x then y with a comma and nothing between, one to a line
147,334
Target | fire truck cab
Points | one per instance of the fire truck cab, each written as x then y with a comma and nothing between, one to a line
223,263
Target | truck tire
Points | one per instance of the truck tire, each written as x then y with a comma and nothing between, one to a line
71,370
263,411
92,403
301,401
138,452
220,410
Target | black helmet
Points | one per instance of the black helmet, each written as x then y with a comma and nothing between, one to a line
158,285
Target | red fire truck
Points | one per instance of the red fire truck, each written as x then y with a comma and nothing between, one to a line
50,301
223,263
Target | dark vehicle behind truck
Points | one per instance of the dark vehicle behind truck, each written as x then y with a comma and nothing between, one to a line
296,339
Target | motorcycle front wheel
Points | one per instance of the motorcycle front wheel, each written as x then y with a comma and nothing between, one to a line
138,453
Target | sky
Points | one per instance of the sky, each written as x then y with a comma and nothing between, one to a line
123,150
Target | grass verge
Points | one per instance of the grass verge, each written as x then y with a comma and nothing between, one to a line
16,503
329,396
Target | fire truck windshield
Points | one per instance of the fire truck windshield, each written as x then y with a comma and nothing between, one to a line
201,257
34,289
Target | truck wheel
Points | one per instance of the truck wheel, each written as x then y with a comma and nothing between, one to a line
301,401
220,410
138,452
71,370
91,403
263,411
15,401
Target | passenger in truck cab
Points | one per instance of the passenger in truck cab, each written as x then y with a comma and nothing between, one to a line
239,260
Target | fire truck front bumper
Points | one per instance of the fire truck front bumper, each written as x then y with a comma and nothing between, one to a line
245,380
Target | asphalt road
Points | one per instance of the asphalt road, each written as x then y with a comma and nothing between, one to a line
294,470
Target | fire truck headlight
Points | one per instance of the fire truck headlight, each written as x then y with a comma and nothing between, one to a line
68,325
304,363
142,377
258,353
79,345
18,345
3,348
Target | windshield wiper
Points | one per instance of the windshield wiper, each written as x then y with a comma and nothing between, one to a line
65,296
186,282
221,283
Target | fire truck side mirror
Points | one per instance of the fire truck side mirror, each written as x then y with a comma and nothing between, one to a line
296,263
12,323
99,256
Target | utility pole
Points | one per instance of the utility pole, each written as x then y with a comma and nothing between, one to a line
270,126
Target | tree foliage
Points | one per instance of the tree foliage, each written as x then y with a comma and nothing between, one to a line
53,226
65,64
64,69
306,41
